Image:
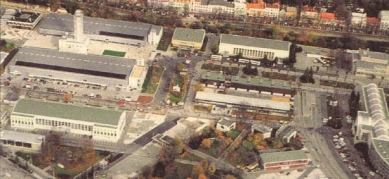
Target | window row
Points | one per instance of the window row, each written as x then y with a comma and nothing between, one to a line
55,123
253,53
105,133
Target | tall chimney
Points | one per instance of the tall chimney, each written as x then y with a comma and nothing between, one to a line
78,26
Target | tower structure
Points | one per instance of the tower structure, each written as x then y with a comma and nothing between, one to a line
78,26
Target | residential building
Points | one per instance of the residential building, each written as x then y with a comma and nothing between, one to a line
253,48
184,38
225,125
286,133
358,19
310,13
383,16
255,10
372,127
291,12
272,10
284,160
212,6
179,4
19,141
368,63
371,21
101,124
94,70
327,16
263,129
157,3
105,30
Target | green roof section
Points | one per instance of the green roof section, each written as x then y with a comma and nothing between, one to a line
382,148
189,35
283,156
67,111
256,81
255,42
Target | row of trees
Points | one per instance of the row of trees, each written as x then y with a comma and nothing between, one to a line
307,77
353,104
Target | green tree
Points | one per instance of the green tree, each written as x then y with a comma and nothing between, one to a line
206,143
179,67
247,145
215,48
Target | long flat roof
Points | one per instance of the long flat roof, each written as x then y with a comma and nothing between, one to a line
254,42
283,156
98,65
64,22
67,111
190,35
21,136
240,100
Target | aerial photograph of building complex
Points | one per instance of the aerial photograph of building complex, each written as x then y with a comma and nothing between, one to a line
194,89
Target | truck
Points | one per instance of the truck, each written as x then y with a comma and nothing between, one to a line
252,166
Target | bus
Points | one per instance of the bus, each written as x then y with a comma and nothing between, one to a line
252,166
242,60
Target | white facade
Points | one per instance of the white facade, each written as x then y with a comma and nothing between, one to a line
225,125
96,129
197,7
137,77
358,19
383,16
259,48
272,10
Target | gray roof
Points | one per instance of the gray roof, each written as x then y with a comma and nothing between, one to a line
64,22
217,3
21,136
369,65
226,122
67,111
190,35
255,42
98,63
283,156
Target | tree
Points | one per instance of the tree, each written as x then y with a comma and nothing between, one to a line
247,145
202,176
179,67
51,147
199,87
215,48
206,143
211,169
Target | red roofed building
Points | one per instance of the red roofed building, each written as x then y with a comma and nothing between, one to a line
272,10
326,16
372,20
255,9
310,12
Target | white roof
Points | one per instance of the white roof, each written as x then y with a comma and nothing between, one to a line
21,137
254,102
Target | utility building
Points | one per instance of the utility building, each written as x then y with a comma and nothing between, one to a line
184,38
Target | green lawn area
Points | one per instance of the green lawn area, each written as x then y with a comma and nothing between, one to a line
191,157
184,170
114,53
227,69
152,79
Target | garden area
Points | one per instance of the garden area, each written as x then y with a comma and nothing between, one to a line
278,76
213,142
152,79
165,40
114,53
337,84
175,96
225,69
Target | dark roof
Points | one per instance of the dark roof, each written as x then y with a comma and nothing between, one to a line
105,66
64,22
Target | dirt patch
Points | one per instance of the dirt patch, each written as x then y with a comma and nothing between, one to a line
145,99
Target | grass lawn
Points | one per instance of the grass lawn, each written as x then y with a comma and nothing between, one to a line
191,157
152,79
184,170
227,69
114,53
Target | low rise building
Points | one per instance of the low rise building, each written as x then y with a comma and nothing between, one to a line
272,10
184,38
286,133
383,16
253,48
19,141
291,12
137,77
368,63
24,19
263,129
358,19
327,16
284,160
372,127
101,124
255,9
240,103
311,13
212,6
225,125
